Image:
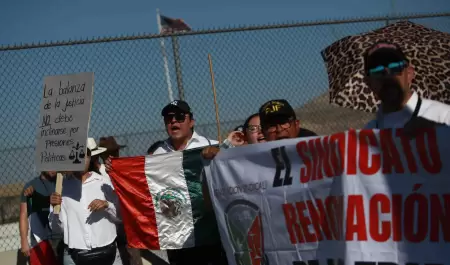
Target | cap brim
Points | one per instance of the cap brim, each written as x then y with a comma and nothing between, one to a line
274,118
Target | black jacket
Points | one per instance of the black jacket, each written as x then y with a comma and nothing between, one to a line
306,133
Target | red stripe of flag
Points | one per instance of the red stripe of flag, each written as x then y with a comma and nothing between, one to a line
43,254
136,205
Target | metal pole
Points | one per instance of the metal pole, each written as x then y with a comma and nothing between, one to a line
392,13
177,59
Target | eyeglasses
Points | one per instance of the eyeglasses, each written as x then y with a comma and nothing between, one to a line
254,128
284,124
390,69
179,117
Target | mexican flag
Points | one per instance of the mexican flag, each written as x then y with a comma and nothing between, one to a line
161,201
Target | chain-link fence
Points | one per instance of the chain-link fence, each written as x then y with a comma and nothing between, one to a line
251,65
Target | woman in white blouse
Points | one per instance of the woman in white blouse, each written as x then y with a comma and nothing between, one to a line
87,217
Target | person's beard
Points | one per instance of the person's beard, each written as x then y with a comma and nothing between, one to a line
391,93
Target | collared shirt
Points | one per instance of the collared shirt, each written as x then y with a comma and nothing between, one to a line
105,175
107,178
82,228
195,142
430,109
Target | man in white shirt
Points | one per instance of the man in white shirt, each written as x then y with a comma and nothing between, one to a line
389,75
179,122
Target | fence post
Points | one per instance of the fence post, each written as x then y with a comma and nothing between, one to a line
177,59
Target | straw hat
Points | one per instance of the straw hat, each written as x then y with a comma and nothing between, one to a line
92,146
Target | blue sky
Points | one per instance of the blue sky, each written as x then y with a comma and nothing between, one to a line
130,89
32,21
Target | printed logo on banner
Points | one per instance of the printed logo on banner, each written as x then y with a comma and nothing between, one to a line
244,225
170,201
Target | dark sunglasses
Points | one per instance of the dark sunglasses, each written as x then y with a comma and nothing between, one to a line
179,117
386,70
283,122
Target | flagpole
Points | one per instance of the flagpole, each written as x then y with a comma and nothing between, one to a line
213,84
164,54
177,59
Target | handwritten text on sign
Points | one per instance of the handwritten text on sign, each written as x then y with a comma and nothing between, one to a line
64,122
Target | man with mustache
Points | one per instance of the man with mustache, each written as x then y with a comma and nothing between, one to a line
389,74
276,120
279,121
179,122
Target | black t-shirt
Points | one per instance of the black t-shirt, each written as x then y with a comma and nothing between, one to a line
306,133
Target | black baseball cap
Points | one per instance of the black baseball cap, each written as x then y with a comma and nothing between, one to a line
275,111
383,53
176,106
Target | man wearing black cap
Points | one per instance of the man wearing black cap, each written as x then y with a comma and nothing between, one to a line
179,122
389,75
278,121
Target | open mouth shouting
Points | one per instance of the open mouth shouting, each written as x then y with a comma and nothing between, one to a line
175,128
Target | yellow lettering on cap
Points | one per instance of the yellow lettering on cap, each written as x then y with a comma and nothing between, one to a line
273,106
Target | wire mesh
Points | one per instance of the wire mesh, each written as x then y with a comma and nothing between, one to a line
251,66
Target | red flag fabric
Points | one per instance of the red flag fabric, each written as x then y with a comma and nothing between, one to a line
136,204
43,254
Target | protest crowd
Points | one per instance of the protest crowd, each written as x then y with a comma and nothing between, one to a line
96,223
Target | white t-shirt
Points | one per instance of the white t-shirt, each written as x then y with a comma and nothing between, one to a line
196,141
430,109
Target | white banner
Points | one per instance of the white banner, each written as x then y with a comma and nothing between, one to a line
64,122
359,197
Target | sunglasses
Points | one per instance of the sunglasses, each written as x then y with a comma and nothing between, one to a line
284,123
179,117
390,69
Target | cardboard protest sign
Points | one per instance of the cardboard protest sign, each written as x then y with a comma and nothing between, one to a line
64,122
358,197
